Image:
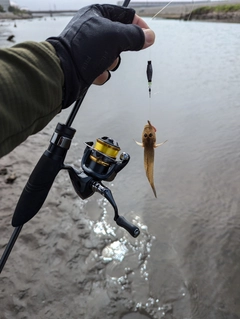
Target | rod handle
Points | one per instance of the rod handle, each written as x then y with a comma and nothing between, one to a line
36,189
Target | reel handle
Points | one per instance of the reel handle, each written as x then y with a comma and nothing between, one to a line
132,229
120,220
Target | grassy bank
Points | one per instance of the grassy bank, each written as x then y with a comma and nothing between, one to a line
223,13
217,9
14,13
210,11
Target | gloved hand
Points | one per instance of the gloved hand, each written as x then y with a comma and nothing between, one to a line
91,42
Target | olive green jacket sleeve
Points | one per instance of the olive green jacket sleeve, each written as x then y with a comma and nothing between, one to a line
31,82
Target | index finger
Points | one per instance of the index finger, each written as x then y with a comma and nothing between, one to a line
140,22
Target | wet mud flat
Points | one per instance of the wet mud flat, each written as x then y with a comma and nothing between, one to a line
71,261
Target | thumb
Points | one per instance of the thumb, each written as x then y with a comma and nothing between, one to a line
149,38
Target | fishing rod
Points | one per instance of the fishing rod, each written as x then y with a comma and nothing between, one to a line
99,163
126,3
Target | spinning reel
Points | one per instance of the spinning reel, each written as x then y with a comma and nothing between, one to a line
99,163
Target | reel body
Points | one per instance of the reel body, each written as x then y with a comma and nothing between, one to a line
99,163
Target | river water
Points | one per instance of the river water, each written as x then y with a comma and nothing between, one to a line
190,233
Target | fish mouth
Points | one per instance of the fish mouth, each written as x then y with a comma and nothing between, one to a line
151,126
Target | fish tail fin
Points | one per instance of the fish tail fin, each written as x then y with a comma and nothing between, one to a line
154,190
151,182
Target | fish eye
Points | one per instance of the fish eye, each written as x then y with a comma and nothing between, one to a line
145,135
150,135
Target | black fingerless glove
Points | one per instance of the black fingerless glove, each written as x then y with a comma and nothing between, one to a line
91,42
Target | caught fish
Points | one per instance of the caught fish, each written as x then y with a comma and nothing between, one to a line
149,143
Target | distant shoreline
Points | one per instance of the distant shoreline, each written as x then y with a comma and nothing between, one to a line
12,16
216,11
187,12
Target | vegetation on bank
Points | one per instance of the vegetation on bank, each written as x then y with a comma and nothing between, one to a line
225,8
16,10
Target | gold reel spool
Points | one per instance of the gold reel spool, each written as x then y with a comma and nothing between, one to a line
105,147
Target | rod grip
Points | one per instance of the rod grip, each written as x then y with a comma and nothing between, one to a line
36,189
132,229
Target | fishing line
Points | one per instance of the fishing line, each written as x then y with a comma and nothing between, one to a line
150,68
191,11
162,9
149,63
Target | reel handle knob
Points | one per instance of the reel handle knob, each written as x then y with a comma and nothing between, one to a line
132,229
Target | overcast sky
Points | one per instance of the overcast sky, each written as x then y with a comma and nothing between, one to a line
66,4
58,4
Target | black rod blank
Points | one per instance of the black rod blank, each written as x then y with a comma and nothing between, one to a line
126,3
9,246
